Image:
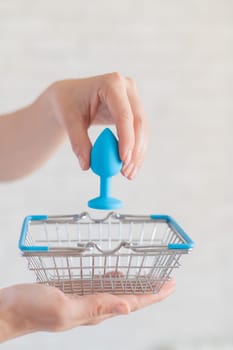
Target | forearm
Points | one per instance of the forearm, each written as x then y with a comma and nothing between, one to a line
8,326
11,323
27,138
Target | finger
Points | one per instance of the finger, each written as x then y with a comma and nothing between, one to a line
100,319
80,142
115,273
114,95
92,307
140,129
130,170
136,302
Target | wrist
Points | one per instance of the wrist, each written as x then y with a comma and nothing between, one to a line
12,320
45,106
53,100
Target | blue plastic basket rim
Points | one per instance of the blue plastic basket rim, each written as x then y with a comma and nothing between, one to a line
186,245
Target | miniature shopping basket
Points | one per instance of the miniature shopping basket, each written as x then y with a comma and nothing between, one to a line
119,254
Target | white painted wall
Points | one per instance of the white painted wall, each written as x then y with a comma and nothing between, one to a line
180,53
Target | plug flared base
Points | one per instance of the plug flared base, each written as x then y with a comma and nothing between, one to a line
105,203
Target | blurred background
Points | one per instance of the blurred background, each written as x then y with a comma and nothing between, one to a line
180,54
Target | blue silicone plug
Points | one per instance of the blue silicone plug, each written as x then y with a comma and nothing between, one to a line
105,162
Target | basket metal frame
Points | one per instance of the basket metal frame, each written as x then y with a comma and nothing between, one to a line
128,267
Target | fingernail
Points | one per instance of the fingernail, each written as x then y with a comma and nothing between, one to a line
82,162
128,158
127,170
133,173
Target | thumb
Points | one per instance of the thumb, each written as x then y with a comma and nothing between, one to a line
80,142
95,306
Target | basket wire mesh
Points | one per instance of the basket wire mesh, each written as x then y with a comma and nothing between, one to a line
119,254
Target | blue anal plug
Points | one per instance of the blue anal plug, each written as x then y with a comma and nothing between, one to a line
105,162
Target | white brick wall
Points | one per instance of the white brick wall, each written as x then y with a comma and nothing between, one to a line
180,54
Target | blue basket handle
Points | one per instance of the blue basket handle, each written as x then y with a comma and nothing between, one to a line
22,246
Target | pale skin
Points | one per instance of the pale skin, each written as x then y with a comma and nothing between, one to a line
28,138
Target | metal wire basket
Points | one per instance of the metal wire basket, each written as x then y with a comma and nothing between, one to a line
119,254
